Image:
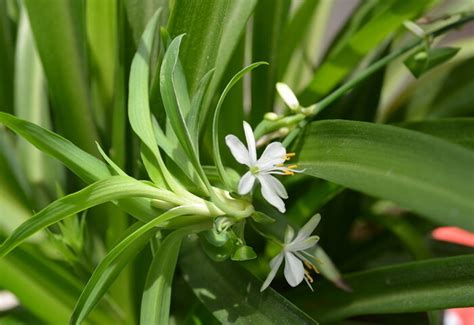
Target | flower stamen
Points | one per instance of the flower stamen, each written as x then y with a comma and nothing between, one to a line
311,266
308,276
289,155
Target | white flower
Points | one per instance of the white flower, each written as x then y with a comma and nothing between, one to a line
294,255
270,162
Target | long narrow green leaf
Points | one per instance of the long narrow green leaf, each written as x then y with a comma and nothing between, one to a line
342,62
111,265
457,130
156,299
139,110
110,270
295,32
418,171
44,288
41,172
138,102
81,163
58,30
113,188
139,12
197,108
102,31
177,154
224,284
409,236
6,59
215,122
86,166
176,102
413,287
269,20
202,22
237,16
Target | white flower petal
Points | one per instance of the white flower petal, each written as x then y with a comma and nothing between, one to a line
238,150
287,95
274,266
294,269
278,186
246,183
273,154
308,228
301,245
270,193
252,149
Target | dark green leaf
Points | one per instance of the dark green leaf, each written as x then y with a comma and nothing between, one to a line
269,20
6,59
202,22
233,295
418,171
237,15
428,285
456,130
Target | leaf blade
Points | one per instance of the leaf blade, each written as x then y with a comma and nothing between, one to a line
57,29
105,273
220,285
401,165
412,287
109,189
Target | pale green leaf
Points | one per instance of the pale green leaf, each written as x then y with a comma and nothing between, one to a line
86,166
109,189
58,31
115,260
44,288
156,299
340,63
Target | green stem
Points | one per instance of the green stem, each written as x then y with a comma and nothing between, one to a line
328,100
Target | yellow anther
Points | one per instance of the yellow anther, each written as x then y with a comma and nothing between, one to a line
311,266
308,277
288,172
289,155
292,166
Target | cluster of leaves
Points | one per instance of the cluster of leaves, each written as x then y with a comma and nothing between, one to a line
78,67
